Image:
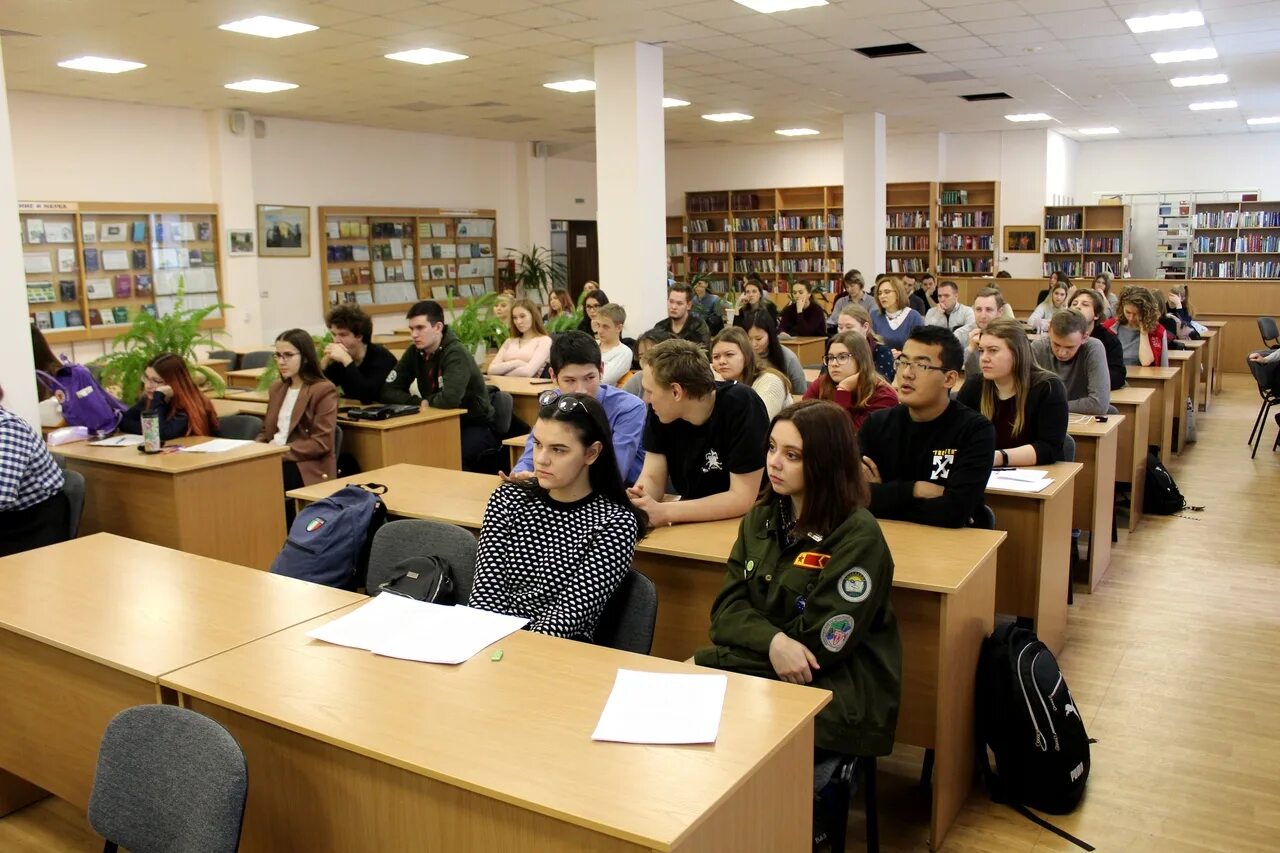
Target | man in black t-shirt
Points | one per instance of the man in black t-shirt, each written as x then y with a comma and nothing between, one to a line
352,362
708,437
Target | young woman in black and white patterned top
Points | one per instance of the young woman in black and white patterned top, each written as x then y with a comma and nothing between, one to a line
554,548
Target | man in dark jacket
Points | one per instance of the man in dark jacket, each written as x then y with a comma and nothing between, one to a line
681,322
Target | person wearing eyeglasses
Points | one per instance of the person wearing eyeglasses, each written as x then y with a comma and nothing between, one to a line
576,366
851,380
928,459
707,436
554,547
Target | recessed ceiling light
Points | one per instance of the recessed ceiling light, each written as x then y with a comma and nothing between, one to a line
267,27
264,87
1202,80
1171,21
728,117
771,6
1030,117
797,131
1194,54
1214,105
425,56
572,86
101,64
668,103
1264,120
1099,131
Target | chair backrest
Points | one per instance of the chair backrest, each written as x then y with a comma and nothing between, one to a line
1069,449
503,409
629,616
1270,333
225,354
168,779
337,441
243,427
1268,378
984,518
73,485
396,541
257,358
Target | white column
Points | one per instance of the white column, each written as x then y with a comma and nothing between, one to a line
864,179
231,173
16,362
631,181
531,180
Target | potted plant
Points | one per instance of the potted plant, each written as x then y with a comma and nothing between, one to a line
476,326
536,272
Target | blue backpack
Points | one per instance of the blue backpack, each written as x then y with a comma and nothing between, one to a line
84,403
330,539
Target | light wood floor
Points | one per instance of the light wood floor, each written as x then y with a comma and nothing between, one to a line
1174,663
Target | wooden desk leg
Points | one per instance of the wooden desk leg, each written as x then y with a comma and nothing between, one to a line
516,453
16,793
1095,502
1217,344
1179,409
1138,483
1207,353
1034,571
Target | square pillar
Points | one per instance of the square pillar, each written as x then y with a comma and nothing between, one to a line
17,365
864,180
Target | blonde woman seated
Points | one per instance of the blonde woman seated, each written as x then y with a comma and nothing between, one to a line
1055,300
733,360
851,380
525,353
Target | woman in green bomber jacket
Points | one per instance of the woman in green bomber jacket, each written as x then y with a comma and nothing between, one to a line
806,595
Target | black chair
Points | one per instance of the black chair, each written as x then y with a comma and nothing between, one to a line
230,357
984,518
1268,378
840,804
73,485
242,427
628,618
1269,332
503,410
257,358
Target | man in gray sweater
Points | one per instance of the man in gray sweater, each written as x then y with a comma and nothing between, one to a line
1079,360
950,314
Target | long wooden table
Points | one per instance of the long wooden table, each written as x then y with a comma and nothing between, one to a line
246,377
1165,382
1093,508
229,406
943,597
1131,450
524,392
88,627
809,350
186,501
1215,349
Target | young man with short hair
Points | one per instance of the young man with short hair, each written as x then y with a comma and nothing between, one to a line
707,436
616,355
708,306
1090,304
352,362
926,290
853,295
681,322
929,458
988,304
1079,360
447,377
949,313
576,369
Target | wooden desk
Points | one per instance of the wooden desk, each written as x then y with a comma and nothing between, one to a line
1034,571
243,396
1094,506
402,342
515,446
943,597
1216,346
1212,347
219,366
1165,382
433,438
1131,449
186,501
810,374
524,393
230,406
1188,361
808,350
87,627
245,378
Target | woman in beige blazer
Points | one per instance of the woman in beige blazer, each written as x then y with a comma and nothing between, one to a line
302,413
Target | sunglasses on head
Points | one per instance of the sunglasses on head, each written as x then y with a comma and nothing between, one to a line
553,399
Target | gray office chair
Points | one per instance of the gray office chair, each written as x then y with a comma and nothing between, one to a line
984,518
503,410
629,616
73,485
1069,449
230,357
397,541
337,441
168,779
257,358
1269,332
243,427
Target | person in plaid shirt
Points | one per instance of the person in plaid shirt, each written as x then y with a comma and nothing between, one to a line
34,510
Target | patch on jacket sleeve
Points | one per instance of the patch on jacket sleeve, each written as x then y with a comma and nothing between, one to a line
391,377
812,560
854,585
836,632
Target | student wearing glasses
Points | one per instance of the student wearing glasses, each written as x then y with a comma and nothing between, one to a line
928,459
169,393
554,547
302,412
851,380
855,318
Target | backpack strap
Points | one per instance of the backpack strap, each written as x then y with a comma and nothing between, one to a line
1061,833
374,488
49,382
996,789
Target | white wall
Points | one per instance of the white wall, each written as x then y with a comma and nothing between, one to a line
795,163
567,181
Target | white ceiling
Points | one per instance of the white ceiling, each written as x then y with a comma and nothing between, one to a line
1073,59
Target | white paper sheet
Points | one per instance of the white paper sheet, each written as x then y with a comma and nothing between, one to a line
118,441
653,707
1029,475
216,445
1005,480
362,627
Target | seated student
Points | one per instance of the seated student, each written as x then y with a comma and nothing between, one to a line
856,318
928,459
1078,360
1138,327
806,592
1110,302
1180,307
302,413
558,304
1024,402
34,511
681,322
763,335
895,318
754,298
502,307
644,343
1055,278
988,304
853,295
917,304
527,347
804,317
707,436
1090,304
617,356
1171,317
708,306
733,360
447,377
1055,301
595,297
925,293
169,393
554,547
949,313
576,369
850,380
352,362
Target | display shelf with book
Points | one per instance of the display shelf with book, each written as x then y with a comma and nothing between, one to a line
911,227
675,247
1173,238
968,215
386,258
1086,240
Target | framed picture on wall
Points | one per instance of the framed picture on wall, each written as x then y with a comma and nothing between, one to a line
241,241
285,231
1021,238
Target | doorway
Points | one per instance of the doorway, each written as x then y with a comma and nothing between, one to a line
575,248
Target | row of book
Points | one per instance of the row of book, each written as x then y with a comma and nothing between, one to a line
969,219
1258,243
804,244
965,265
1260,219
704,265
809,265
1260,269
1103,245
907,265
897,243
1063,246
911,219
703,246
706,202
760,223
74,318
965,242
803,223
1218,219
955,197
1068,268
1215,244
1064,222
1208,269
703,226
38,231
675,250
748,266
1094,268
758,245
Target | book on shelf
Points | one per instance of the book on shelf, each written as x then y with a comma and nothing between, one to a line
142,284
35,231
95,317
67,289
44,319
59,319
75,318
204,231
138,259
59,232
98,288
475,228
194,258
139,231
40,291
36,262
112,232
120,314
115,259
124,286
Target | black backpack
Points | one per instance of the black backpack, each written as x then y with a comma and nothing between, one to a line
1026,716
427,578
1162,496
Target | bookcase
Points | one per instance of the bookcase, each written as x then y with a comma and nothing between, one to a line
1086,240
1173,238
1235,239
386,258
968,217
91,267
911,217
675,247
777,233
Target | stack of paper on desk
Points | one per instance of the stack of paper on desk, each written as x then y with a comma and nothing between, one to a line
1020,480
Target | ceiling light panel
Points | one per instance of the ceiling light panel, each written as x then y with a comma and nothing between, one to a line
768,7
426,56
797,131
1195,54
1214,105
101,64
262,87
722,117
268,27
1170,21
572,86
1256,122
1030,117
668,103
1201,80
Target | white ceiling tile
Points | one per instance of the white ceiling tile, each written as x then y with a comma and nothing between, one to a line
1017,23
943,31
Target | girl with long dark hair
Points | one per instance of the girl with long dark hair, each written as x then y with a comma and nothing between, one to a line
169,393
763,334
302,412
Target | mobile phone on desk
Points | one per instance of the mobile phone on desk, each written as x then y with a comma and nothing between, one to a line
539,381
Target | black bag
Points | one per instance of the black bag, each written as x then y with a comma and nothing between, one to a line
1026,716
1162,496
422,578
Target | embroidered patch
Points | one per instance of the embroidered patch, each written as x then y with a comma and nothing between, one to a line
315,524
854,586
836,632
751,565
391,377
812,560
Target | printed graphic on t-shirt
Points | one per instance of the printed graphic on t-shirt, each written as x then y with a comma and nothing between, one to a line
942,462
712,462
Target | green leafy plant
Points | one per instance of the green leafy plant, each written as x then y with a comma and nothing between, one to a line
536,272
178,332
567,321
272,371
476,323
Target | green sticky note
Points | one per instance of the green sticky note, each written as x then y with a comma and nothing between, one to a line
496,655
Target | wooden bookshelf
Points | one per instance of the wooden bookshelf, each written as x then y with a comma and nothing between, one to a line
386,258
107,262
1086,240
1173,238
911,233
1236,239
968,228
675,246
